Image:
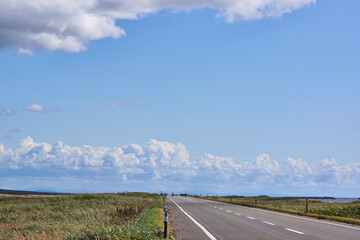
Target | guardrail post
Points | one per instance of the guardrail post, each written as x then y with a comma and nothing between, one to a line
166,210
307,205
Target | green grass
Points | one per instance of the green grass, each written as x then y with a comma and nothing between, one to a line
348,212
85,216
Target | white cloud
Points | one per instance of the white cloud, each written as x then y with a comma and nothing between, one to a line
36,108
22,51
117,104
8,111
164,161
263,163
297,167
156,176
68,25
218,168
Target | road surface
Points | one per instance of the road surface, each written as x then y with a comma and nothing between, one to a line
204,219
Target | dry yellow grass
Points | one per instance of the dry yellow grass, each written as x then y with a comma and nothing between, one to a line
79,216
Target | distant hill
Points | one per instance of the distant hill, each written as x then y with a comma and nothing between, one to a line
19,192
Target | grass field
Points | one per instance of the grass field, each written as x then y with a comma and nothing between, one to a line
85,216
348,212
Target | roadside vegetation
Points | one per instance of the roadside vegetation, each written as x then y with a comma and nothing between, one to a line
348,212
83,216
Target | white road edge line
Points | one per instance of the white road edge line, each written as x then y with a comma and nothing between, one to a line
250,217
292,230
196,222
268,223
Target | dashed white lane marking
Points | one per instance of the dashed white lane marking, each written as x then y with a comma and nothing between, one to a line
268,223
307,219
238,214
215,207
196,222
221,209
292,230
250,217
228,211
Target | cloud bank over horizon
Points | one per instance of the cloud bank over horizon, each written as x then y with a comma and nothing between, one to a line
164,162
69,25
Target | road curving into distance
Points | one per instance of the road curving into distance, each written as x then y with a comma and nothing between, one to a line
199,219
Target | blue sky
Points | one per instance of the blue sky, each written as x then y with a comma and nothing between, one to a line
233,87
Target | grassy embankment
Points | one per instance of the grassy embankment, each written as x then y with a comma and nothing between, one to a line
347,212
85,216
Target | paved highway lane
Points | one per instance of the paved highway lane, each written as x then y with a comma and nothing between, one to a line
204,219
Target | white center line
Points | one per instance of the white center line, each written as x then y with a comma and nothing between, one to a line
250,217
196,222
228,211
238,214
268,223
292,230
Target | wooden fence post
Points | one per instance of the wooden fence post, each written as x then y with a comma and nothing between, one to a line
307,205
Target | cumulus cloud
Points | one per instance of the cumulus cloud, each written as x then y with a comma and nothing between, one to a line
68,25
36,108
164,161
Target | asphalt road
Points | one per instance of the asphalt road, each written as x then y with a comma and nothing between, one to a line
204,219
